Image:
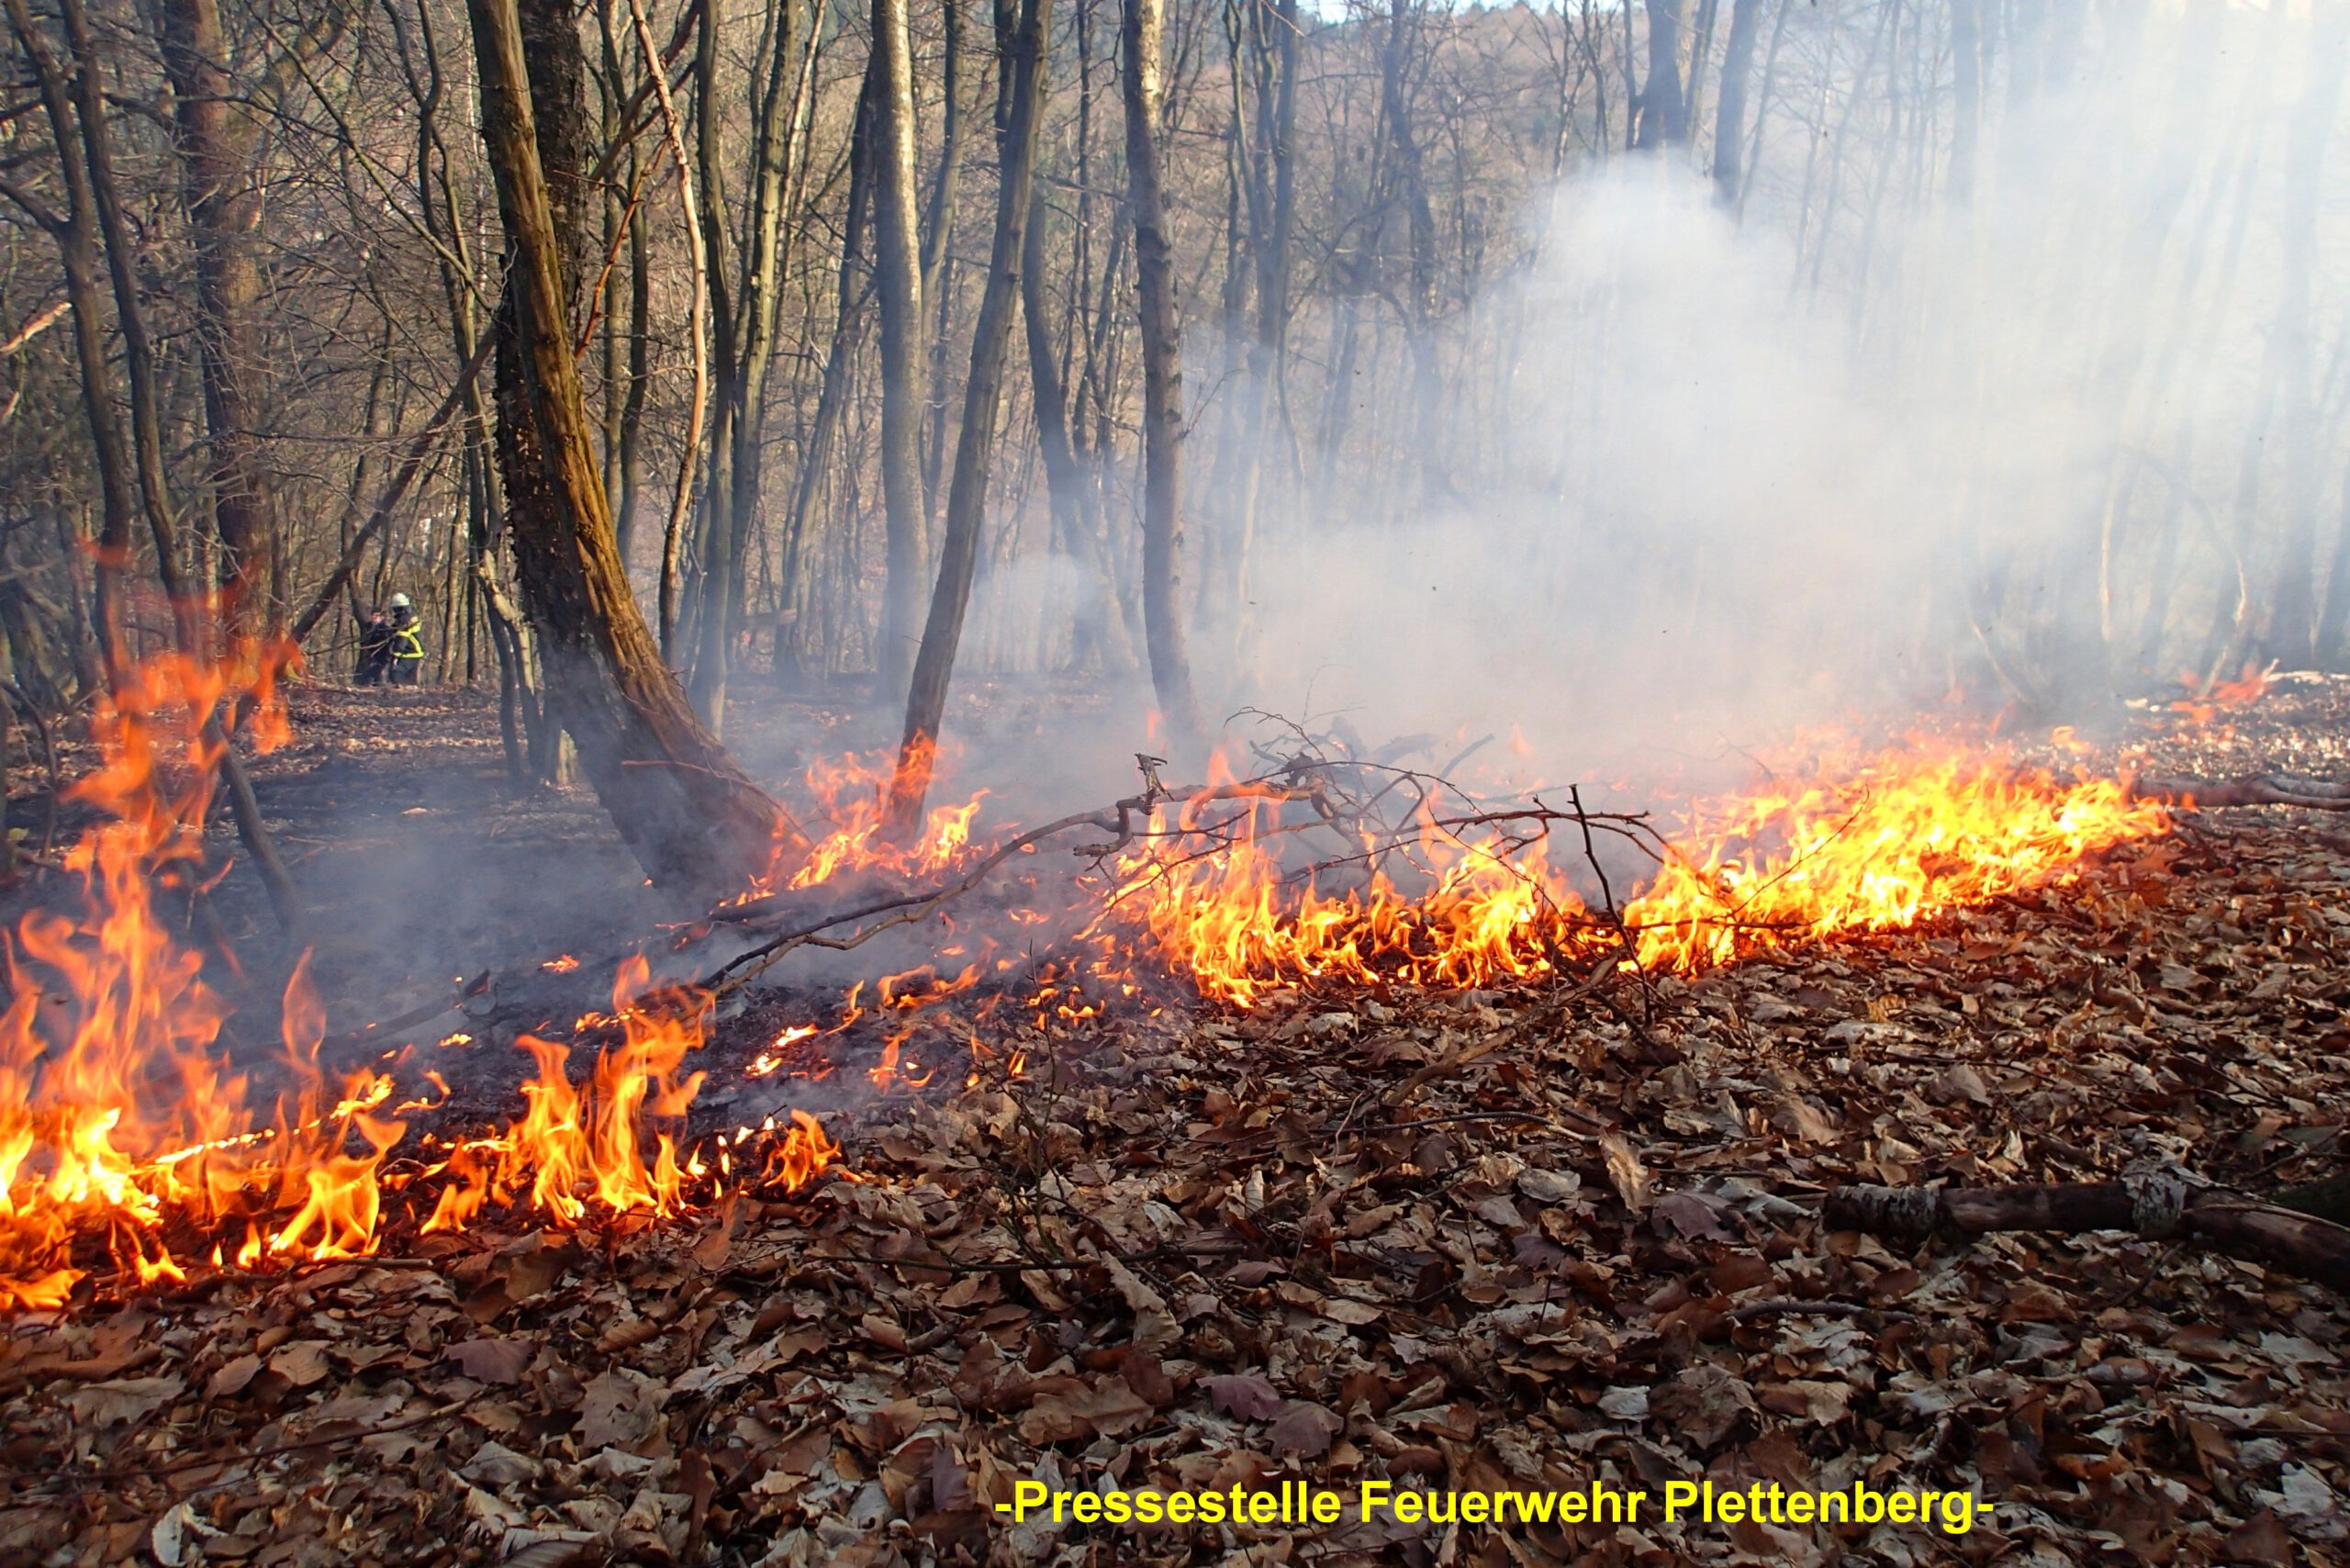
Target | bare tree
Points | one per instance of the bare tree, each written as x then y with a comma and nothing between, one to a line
1730,115
1664,114
898,275
1143,48
745,319
1020,106
691,817
216,149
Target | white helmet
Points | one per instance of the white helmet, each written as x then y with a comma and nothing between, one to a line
399,601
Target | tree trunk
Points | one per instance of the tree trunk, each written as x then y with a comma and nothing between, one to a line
2293,613
1023,106
1664,117
1966,92
1396,63
640,381
701,268
831,388
146,446
937,237
224,208
75,231
1730,115
1097,625
692,819
900,285
746,327
1143,27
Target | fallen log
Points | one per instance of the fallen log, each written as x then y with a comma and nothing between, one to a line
2252,789
2160,1203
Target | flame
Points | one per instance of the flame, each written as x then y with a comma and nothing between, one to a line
1872,844
852,793
800,1155
578,1151
118,1115
613,1146
2202,703
1880,847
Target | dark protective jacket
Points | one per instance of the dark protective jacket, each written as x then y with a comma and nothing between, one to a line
407,635
375,648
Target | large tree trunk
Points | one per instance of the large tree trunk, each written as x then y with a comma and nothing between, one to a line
224,208
1144,26
900,285
1665,115
692,819
1023,106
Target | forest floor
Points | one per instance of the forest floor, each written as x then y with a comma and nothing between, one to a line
1513,1239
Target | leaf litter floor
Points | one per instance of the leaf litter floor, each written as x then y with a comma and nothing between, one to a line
1214,1247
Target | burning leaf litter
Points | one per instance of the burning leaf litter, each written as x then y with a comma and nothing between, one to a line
1431,891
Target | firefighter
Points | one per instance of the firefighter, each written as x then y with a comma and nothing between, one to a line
374,649
406,642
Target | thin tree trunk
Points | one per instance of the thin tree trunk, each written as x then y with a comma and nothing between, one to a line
74,230
1142,30
2291,625
900,287
832,391
1966,88
1023,101
697,329
745,344
937,237
1097,624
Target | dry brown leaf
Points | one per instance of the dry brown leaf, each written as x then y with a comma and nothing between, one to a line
1304,1430
1625,1172
1249,1397
1107,1407
491,1361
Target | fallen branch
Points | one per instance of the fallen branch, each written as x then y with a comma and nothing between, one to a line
2158,1204
2252,789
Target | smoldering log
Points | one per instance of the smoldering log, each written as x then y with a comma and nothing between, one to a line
2252,789
2160,1204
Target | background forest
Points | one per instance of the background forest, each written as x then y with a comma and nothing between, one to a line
1692,348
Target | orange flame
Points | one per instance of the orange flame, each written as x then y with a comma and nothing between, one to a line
115,1112
852,793
1873,844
